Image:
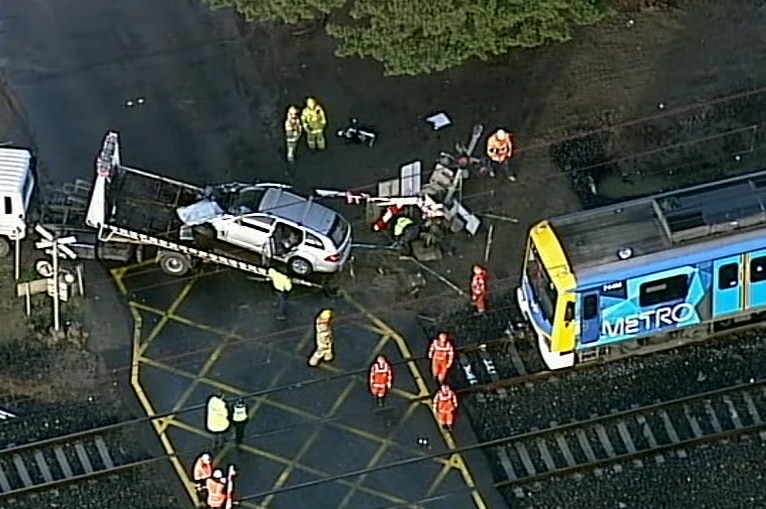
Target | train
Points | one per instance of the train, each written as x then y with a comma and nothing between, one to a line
647,274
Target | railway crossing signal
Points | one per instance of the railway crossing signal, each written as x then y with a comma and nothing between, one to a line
55,247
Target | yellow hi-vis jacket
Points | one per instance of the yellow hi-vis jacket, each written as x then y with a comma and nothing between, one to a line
217,415
281,282
402,223
313,119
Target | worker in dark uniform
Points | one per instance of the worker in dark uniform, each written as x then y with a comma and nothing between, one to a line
406,231
239,420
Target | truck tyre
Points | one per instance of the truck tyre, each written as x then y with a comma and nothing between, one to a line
300,266
5,247
174,264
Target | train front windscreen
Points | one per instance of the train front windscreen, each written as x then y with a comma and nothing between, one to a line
544,291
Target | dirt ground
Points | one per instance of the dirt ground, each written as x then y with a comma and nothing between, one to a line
618,101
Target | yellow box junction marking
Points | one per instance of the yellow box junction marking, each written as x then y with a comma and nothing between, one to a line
456,459
166,316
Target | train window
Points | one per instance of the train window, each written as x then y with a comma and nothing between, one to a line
590,307
758,269
728,276
664,290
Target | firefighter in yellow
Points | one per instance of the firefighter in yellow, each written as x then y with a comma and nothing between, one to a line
324,338
293,131
314,121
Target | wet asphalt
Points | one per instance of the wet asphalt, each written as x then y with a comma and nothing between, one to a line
161,73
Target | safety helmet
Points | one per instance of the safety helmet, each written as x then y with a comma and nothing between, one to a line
478,269
311,102
381,360
444,388
326,314
218,474
443,336
501,135
292,110
239,402
206,458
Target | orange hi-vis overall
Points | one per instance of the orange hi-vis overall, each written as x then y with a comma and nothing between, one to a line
479,291
442,355
216,493
381,379
202,471
499,150
444,406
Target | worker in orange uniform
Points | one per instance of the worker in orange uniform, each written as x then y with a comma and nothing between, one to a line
500,151
381,379
445,406
479,289
201,472
324,338
442,355
216,490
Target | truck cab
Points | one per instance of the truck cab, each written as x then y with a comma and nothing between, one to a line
17,183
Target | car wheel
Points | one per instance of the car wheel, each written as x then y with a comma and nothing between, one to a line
5,246
174,264
300,266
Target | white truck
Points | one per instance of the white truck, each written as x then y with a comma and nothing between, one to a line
17,184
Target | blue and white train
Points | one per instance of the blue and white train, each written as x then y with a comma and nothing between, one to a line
675,266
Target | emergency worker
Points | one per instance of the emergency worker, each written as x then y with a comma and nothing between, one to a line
282,285
500,151
381,379
479,289
445,406
406,231
314,121
217,419
239,420
201,472
324,338
442,355
216,490
293,131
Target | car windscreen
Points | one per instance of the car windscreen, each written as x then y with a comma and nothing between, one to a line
245,201
339,231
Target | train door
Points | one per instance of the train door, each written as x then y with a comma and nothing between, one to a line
590,319
728,286
755,279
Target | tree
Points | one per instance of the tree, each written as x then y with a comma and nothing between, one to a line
423,36
289,11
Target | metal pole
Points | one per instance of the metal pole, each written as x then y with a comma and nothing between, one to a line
17,260
56,324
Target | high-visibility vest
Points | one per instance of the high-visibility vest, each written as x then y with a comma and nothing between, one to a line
216,493
202,470
313,119
442,352
239,413
381,376
402,223
281,282
217,415
497,150
445,401
293,128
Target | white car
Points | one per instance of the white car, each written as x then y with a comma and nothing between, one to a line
270,220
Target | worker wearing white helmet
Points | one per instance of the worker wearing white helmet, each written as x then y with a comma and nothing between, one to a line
324,338
216,490
500,151
201,472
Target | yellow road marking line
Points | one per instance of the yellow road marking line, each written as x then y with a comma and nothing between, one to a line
285,475
166,316
372,328
304,468
379,455
438,480
118,275
209,363
135,382
297,353
457,460
281,406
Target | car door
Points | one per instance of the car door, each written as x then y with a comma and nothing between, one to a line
249,232
279,233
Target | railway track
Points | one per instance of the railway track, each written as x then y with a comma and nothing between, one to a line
45,464
648,433
493,366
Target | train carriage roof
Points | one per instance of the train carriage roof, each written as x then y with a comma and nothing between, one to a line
606,237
